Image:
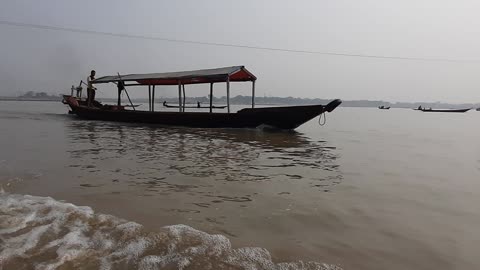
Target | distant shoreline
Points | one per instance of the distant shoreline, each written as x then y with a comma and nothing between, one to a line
28,99
278,101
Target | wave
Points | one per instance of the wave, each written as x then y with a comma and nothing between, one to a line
43,233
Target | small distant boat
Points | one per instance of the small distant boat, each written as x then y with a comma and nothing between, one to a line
443,110
198,106
384,108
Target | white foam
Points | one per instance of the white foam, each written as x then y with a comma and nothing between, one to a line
69,236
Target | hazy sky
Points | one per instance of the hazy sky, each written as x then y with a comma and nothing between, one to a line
51,61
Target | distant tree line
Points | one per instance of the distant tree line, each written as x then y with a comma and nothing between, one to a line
245,100
263,100
38,95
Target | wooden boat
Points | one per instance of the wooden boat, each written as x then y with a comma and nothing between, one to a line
444,110
384,108
288,117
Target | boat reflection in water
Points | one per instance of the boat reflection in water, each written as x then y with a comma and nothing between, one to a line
166,160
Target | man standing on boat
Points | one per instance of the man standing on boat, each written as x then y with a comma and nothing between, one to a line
90,88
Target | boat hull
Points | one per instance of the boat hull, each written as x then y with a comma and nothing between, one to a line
276,117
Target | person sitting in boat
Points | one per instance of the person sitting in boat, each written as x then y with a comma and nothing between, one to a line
90,88
198,104
420,107
165,103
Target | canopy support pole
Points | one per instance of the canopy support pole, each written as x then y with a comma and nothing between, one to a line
149,97
228,94
253,94
119,99
79,90
183,89
211,97
153,98
179,96
126,92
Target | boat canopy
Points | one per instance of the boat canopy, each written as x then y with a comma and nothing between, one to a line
232,74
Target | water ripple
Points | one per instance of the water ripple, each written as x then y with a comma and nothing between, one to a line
154,157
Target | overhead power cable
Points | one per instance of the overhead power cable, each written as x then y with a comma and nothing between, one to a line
132,36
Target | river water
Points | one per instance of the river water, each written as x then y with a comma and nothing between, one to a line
372,189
